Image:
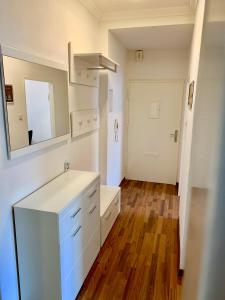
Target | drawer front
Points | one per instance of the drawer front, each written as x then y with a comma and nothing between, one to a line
92,195
80,222
85,203
109,218
72,284
92,211
70,218
72,247
91,251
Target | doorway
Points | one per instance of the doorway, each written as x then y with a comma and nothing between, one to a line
40,110
154,130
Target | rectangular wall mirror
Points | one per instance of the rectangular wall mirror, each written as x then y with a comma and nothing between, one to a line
36,102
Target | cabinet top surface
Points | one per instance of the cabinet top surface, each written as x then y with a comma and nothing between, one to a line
107,194
58,193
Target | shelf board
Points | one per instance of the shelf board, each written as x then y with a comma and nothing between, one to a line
97,61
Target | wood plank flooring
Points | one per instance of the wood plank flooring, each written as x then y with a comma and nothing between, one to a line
139,259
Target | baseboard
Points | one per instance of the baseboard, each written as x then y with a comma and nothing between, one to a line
180,273
122,182
179,249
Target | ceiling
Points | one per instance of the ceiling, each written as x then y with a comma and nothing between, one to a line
104,9
107,6
158,37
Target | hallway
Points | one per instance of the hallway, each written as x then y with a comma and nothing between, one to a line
139,260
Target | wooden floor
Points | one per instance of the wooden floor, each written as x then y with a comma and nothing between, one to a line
139,259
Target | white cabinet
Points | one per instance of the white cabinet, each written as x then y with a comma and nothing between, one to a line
58,236
109,209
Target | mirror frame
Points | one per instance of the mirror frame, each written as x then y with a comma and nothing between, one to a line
14,53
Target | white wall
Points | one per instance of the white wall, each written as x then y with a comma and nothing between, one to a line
187,131
42,28
159,64
205,268
117,82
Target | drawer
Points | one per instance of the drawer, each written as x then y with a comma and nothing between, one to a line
70,217
72,247
72,284
109,218
92,195
84,203
91,251
92,211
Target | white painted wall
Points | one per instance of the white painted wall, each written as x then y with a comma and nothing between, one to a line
42,28
117,82
158,64
187,131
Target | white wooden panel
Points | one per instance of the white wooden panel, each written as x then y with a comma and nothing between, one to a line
84,121
72,247
110,209
38,254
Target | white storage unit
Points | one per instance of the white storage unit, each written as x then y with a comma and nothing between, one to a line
58,236
110,199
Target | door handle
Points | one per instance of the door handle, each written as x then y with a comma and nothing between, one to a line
92,194
109,215
92,210
76,231
74,215
175,136
116,202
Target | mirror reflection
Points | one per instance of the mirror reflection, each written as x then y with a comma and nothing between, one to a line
40,102
36,101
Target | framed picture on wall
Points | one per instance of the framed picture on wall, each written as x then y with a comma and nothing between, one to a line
191,94
9,93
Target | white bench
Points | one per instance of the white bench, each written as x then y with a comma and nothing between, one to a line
109,209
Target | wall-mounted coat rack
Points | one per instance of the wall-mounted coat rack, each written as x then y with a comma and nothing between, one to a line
84,67
84,121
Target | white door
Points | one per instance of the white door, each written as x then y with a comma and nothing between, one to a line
154,130
40,110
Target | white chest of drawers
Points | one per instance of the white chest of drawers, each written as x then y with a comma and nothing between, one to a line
58,236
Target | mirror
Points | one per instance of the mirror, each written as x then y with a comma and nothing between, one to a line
35,101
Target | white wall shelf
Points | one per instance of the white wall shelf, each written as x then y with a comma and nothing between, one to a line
97,61
84,67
